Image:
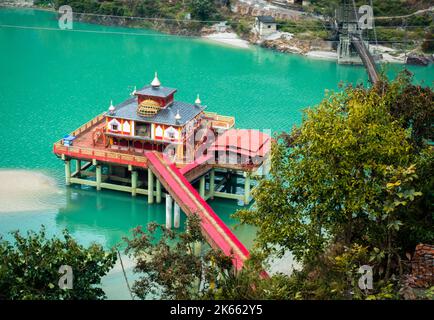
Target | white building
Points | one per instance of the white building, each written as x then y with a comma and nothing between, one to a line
265,25
298,2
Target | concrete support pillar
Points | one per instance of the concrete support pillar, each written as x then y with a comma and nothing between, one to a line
168,211
246,188
158,191
133,182
67,172
98,177
150,186
202,186
177,216
212,183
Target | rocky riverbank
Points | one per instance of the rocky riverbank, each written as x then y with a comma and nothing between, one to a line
321,49
221,33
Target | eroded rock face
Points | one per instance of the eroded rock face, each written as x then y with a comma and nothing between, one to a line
418,60
282,45
293,45
422,266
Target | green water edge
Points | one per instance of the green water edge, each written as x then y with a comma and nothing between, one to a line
52,81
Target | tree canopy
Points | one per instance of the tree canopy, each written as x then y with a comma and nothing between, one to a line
29,267
355,176
171,266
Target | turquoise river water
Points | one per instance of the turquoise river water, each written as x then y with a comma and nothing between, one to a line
52,81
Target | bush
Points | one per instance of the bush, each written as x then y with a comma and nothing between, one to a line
202,9
29,268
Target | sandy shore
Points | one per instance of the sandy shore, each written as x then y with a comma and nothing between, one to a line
228,38
25,190
323,55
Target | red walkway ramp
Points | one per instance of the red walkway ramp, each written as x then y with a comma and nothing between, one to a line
218,235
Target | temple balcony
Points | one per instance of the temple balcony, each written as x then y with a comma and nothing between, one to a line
91,143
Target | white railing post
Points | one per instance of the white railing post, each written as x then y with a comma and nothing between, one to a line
177,216
168,211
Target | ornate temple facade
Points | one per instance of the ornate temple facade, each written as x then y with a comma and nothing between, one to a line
153,120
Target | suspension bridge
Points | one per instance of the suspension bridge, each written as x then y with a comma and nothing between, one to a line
352,48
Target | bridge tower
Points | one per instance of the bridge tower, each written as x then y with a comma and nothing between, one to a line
348,26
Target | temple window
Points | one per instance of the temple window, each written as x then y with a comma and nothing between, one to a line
159,131
114,125
171,133
126,127
143,129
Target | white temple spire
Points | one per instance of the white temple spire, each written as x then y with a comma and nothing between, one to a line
156,83
177,116
197,101
112,107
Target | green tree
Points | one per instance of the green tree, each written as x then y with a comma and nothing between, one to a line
203,9
171,268
428,44
29,268
147,8
412,104
350,176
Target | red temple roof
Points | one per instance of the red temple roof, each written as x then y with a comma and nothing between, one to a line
243,141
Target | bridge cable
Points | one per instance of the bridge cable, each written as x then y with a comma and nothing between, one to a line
125,275
373,23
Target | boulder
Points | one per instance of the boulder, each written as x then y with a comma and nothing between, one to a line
418,60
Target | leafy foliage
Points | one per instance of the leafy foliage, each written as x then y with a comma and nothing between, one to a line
171,268
200,9
412,104
203,9
351,179
29,267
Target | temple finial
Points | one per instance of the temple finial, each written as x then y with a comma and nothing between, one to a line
197,101
112,107
155,83
177,116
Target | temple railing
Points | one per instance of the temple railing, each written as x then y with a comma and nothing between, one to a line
101,155
88,125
